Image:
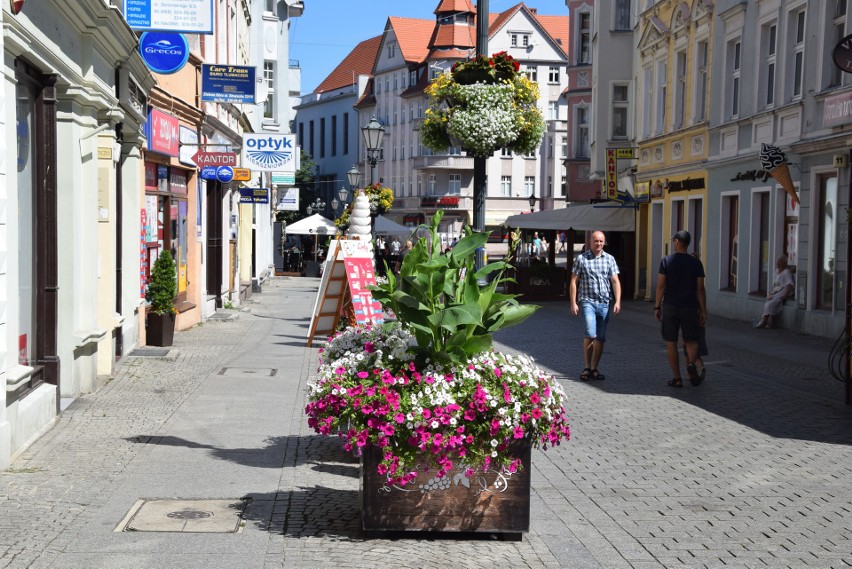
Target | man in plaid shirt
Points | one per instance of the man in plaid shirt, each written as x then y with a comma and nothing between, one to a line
595,274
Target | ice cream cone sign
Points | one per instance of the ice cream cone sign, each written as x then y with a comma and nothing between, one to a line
775,162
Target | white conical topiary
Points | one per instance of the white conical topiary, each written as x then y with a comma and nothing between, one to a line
359,219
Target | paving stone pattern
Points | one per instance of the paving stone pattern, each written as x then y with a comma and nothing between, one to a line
751,469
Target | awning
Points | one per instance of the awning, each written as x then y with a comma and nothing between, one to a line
578,217
315,224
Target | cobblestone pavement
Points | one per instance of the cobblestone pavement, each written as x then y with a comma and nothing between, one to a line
751,469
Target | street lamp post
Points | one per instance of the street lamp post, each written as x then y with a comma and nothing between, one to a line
353,176
373,138
532,203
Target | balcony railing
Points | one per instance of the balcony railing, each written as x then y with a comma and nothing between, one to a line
443,162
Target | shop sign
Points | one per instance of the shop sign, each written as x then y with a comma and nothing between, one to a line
643,192
289,200
837,110
183,16
625,153
656,189
242,174
254,195
686,185
163,132
228,84
751,176
215,158
283,178
188,143
164,53
442,201
611,179
265,152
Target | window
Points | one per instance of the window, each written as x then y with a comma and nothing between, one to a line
433,183
454,187
798,23
662,94
761,266
553,110
513,40
550,147
553,75
584,37
301,134
582,133
768,49
701,86
680,89
519,39
412,78
531,72
311,135
837,32
827,247
696,223
391,50
322,138
434,72
345,134
419,185
730,242
620,107
395,82
334,135
622,15
506,186
506,152
529,186
269,79
647,99
563,144
733,92
410,185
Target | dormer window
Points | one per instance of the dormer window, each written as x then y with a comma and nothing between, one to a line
519,39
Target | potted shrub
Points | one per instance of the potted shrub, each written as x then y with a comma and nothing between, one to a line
162,289
444,424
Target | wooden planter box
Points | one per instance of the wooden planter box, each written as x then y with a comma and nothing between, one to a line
159,329
486,502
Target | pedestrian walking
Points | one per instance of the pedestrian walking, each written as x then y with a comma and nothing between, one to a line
596,292
562,239
680,306
536,245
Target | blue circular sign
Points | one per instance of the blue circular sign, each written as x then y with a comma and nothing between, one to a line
164,53
224,174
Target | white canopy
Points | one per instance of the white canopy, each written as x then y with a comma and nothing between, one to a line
386,226
313,225
578,217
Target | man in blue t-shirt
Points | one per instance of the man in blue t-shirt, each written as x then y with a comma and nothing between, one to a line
681,306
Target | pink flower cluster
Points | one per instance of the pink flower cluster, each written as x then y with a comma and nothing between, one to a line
470,417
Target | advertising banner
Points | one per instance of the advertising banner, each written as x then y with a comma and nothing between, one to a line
164,53
263,152
227,84
360,275
289,199
163,133
179,16
254,195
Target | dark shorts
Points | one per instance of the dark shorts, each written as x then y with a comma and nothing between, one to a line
683,320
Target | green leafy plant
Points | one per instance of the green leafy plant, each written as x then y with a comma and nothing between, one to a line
438,298
162,288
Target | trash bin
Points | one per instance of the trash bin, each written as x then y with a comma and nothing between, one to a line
312,269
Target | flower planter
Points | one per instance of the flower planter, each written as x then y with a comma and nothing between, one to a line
160,329
487,502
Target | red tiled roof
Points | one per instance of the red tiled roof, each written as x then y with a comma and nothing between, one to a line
412,36
368,97
455,6
451,53
557,27
360,61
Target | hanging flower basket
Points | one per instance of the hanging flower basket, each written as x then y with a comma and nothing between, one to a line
484,104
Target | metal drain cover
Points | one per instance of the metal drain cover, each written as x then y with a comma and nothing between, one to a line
185,516
248,371
150,352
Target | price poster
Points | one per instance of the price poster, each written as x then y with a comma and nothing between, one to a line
360,275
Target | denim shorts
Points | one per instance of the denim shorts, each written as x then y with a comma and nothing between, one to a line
596,317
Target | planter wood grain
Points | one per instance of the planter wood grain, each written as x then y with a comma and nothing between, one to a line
486,502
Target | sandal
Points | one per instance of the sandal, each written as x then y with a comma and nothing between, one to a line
692,372
675,382
585,375
597,375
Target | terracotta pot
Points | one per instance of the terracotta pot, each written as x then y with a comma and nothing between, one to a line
487,502
160,329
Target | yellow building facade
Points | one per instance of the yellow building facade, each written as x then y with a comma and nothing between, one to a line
674,51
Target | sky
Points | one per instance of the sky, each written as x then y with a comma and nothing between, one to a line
329,29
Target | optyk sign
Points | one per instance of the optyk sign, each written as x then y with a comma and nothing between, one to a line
269,152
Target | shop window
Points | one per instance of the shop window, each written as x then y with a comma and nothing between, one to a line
730,243
760,254
827,242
